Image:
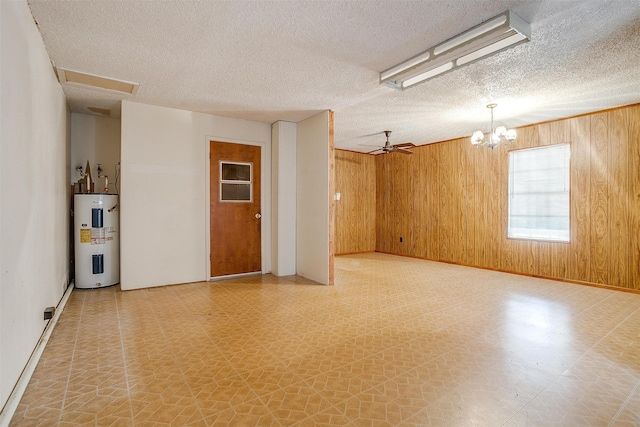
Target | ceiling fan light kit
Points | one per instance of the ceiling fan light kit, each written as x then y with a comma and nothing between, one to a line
495,136
488,38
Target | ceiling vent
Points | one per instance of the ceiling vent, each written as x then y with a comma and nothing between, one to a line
70,76
101,111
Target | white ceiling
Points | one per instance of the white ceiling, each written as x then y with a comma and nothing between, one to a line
286,60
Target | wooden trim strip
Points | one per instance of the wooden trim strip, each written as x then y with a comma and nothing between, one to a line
356,253
519,128
332,203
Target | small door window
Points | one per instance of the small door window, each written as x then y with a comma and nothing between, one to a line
236,182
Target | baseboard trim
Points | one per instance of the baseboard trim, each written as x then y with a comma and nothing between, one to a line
10,407
234,276
355,253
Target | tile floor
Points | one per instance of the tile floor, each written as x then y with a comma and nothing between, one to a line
396,342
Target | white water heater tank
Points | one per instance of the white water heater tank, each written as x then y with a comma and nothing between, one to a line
96,240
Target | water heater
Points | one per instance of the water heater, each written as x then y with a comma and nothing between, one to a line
96,240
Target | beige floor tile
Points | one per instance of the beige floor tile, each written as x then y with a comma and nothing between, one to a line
396,342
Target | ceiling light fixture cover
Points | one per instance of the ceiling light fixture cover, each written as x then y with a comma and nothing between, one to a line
495,35
70,76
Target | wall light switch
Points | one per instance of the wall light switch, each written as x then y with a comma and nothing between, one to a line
336,196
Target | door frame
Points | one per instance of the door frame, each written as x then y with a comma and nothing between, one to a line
265,202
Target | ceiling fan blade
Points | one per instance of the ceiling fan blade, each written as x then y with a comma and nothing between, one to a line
403,151
368,145
405,144
371,152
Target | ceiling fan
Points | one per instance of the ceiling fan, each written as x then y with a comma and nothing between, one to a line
399,148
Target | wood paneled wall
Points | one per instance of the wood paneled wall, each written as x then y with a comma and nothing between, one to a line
448,202
356,210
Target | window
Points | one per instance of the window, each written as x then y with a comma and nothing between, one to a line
235,182
539,193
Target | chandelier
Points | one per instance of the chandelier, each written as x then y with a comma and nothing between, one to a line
495,136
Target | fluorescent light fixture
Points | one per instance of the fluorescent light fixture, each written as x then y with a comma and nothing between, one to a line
406,65
486,51
70,76
495,35
427,75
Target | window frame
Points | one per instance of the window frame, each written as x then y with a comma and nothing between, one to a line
546,239
235,181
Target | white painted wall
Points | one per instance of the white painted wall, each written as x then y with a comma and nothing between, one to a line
96,139
283,181
34,190
312,206
164,216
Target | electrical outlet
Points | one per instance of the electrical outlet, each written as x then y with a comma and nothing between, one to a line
401,240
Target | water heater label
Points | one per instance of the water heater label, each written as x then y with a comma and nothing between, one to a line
97,236
109,233
85,235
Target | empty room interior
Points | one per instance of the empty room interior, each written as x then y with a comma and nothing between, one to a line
358,213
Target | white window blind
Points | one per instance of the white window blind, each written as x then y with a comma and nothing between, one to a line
539,193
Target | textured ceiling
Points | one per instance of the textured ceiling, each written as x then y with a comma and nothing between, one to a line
286,60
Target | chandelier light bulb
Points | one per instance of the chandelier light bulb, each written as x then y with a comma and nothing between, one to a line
477,137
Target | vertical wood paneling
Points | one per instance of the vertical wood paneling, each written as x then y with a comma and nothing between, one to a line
344,217
618,196
471,202
500,192
449,201
421,204
481,209
431,166
408,220
492,200
394,185
444,207
460,189
509,248
417,177
634,196
554,257
398,192
355,225
580,198
383,206
599,199
367,200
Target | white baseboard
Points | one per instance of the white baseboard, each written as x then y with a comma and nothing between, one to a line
18,391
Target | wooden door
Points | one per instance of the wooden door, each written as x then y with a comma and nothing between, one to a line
235,213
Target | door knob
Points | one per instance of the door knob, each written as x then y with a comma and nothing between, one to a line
258,216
